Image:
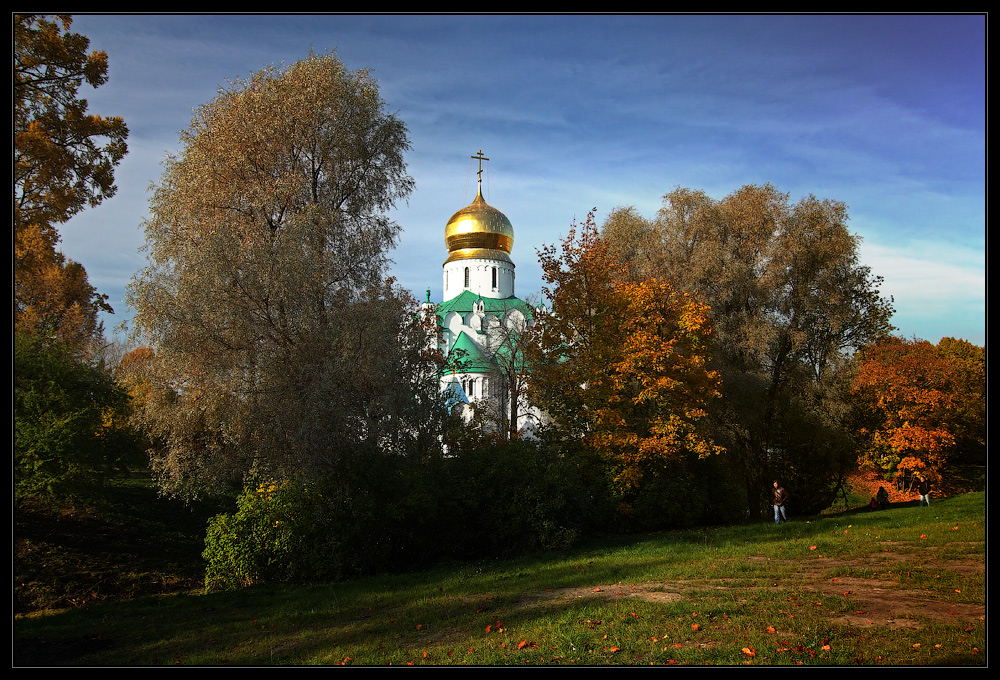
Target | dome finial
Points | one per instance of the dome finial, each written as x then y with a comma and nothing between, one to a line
480,157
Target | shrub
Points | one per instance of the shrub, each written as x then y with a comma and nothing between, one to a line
509,499
685,493
68,435
383,513
276,534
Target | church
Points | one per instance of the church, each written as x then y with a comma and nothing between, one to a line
480,319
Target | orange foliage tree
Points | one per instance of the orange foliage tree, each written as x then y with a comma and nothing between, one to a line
64,160
790,301
52,296
620,366
911,398
64,157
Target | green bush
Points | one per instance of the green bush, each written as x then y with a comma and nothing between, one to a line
388,513
278,533
373,515
509,499
673,499
68,435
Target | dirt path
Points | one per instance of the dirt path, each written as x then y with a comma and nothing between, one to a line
878,602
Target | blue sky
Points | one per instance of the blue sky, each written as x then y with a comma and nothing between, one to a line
884,113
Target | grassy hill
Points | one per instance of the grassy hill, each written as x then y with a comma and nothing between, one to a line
902,586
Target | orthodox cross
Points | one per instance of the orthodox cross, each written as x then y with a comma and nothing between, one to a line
480,157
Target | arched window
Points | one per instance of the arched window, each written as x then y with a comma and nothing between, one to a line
494,278
466,277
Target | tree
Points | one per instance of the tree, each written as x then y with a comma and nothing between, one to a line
969,420
68,433
53,297
621,365
280,349
789,302
913,399
64,160
506,334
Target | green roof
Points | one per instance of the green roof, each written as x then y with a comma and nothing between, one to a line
464,303
467,354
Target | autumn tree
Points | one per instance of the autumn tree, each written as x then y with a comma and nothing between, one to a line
789,302
913,399
621,366
969,419
279,348
64,160
53,297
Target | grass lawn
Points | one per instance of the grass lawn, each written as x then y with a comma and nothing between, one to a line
903,586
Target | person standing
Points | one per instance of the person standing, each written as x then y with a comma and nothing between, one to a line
882,498
780,497
925,491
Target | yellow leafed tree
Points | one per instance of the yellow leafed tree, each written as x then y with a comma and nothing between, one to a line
621,365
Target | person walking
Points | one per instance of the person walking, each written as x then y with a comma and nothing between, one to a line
925,491
780,496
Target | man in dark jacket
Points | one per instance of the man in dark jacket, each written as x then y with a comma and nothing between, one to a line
780,496
925,491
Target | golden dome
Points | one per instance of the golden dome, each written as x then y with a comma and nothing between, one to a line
479,231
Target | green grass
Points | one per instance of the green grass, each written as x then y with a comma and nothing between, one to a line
902,586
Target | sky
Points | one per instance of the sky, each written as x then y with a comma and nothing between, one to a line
885,113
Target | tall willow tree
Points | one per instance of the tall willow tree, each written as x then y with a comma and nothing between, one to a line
280,348
790,301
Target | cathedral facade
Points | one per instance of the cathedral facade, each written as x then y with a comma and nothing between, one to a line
481,320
